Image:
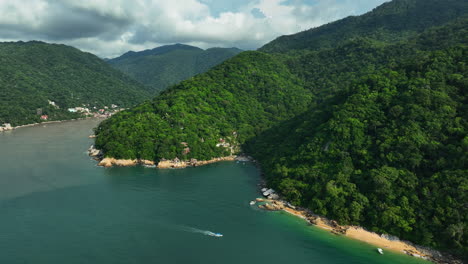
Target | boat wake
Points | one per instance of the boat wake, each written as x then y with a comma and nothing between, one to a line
204,232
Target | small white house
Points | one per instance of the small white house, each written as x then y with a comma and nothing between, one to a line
72,110
52,103
268,192
273,196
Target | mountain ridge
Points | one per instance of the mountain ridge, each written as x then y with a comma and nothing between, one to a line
167,65
392,21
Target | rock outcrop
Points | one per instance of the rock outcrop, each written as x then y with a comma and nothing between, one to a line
94,152
110,162
163,164
178,164
6,127
273,206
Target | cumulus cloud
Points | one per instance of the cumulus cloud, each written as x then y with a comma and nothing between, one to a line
111,27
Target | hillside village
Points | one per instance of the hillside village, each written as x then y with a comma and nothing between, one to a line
106,111
84,111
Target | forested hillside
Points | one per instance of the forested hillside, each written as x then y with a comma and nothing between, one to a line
233,102
32,73
391,22
164,66
371,130
389,152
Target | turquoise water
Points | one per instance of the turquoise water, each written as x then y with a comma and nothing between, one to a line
57,206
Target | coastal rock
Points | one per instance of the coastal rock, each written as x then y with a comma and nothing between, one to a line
109,162
170,164
312,220
93,152
273,196
178,164
163,164
147,162
359,233
274,206
244,158
6,127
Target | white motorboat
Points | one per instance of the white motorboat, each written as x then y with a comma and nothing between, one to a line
215,234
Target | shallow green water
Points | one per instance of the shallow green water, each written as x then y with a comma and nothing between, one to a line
57,206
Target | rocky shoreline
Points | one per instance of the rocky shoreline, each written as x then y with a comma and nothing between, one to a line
163,164
4,129
356,232
274,203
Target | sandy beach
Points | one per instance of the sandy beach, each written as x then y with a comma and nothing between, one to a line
354,232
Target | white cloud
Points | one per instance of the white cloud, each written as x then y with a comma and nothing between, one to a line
111,27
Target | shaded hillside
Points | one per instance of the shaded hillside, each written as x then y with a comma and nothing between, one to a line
164,66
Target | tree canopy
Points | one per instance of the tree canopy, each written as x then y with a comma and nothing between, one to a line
363,120
32,73
164,66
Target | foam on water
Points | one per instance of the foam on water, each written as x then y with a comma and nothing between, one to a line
200,231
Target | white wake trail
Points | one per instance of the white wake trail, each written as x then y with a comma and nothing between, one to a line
200,231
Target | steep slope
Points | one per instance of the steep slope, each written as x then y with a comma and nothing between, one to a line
167,65
389,152
227,105
390,22
383,142
33,73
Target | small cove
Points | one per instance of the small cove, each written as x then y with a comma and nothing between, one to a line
57,206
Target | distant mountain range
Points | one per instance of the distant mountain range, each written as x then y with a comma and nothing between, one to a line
34,73
363,120
164,66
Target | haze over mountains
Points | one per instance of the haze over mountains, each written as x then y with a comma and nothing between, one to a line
167,65
362,120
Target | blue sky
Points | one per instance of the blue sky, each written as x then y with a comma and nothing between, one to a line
109,28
